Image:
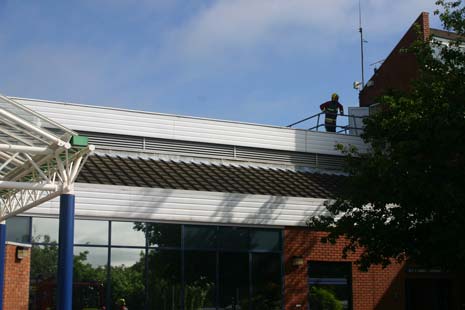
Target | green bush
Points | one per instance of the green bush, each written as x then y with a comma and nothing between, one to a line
323,299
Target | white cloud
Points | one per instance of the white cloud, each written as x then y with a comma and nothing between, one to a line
228,27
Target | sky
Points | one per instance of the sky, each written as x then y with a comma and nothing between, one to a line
261,61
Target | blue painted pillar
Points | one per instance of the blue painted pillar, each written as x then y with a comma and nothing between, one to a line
2,260
65,253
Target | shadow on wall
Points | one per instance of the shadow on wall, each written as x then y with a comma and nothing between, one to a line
390,291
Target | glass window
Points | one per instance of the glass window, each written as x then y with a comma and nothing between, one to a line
88,295
126,257
329,284
127,277
200,272
234,281
92,257
89,277
44,260
265,240
127,233
233,238
200,237
266,281
90,232
164,280
227,268
44,230
18,229
161,235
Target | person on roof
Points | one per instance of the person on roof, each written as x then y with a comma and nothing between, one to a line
330,108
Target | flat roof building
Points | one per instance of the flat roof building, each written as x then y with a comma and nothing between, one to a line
176,212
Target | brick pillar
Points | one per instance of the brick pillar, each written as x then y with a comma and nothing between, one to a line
16,287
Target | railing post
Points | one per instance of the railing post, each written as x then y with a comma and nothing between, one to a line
65,253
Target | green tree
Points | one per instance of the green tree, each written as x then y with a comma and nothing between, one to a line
128,282
44,260
83,271
405,198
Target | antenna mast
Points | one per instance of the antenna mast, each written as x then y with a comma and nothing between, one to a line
360,29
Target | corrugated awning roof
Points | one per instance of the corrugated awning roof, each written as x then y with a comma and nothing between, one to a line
128,171
24,133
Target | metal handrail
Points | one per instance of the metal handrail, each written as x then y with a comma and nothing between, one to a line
342,129
306,119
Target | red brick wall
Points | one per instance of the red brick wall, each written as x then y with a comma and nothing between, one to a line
376,289
16,289
399,68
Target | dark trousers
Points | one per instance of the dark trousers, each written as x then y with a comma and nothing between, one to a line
330,127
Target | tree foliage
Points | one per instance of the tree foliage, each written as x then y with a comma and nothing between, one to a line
405,198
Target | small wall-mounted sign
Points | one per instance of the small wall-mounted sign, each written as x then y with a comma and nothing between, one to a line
297,261
21,252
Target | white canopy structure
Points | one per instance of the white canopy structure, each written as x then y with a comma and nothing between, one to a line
39,158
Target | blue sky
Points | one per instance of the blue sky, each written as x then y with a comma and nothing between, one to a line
261,61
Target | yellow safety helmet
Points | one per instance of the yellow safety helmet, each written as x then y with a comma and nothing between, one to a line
334,96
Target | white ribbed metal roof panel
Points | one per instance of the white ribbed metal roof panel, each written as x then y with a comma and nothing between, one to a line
135,203
157,125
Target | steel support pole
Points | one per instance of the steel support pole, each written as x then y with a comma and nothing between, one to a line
65,254
2,260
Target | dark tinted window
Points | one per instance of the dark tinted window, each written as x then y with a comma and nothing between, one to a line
233,238
162,235
234,280
266,281
200,275
200,237
164,280
265,240
18,229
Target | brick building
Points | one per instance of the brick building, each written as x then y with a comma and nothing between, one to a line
400,68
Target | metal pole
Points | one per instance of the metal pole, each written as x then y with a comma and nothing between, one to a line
2,260
65,254
361,42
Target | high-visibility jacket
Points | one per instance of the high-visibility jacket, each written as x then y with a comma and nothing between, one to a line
330,108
